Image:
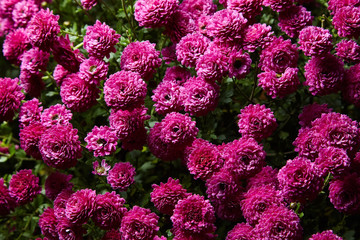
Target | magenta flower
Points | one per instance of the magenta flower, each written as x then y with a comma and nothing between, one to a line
190,48
60,146
142,58
278,5
60,203
124,90
167,97
77,94
15,44
193,215
199,97
249,8
101,170
328,234
139,223
278,222
56,115
348,50
347,20
240,231
294,19
30,111
256,121
7,202
315,41
30,137
109,210
47,223
24,187
121,176
93,70
43,29
166,195
101,140
311,112
100,40
351,88
198,8
80,206
180,24
10,98
258,36
267,176
300,180
154,13
88,4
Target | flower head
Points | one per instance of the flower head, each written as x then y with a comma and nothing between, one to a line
101,170
56,183
10,98
101,140
121,176
24,186
80,206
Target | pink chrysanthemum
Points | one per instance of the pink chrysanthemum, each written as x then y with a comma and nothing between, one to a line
7,202
60,203
154,13
202,23
100,40
68,230
324,75
47,224
198,8
127,122
257,36
56,115
300,180
24,186
335,5
344,193
101,170
93,70
348,50
257,200
227,25
166,195
15,44
180,24
193,215
294,19
190,48
332,159
338,131
240,231
279,85
6,7
30,111
248,8
256,121
64,54
278,223
141,57
88,4
139,223
10,98
109,210
43,29
56,183
121,176
30,137
244,157
23,12
199,97
60,146
328,234
222,186
240,64
315,41
347,21
178,130
160,149
311,112
212,66
267,176
279,55
125,90
60,74
80,206
351,88
176,74
278,5
112,235
34,60
101,140
77,94
204,161
167,97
